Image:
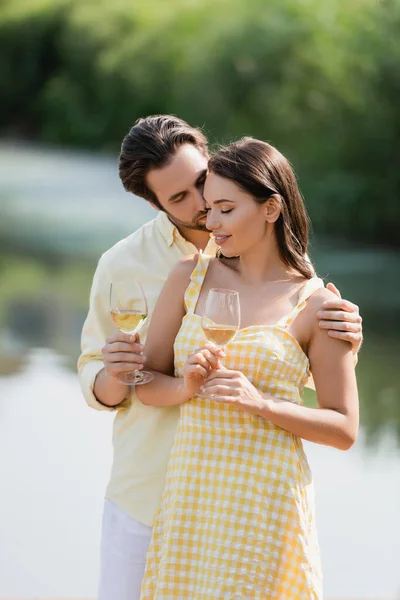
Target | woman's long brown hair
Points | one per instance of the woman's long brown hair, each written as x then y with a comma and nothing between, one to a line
261,170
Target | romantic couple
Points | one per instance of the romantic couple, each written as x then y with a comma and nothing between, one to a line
211,494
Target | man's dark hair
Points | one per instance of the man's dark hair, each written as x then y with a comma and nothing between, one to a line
150,144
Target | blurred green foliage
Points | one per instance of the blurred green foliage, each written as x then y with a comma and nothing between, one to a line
321,80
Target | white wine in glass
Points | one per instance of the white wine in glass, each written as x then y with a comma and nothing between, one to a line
220,335
221,319
128,310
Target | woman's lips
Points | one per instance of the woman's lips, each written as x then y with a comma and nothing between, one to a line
221,239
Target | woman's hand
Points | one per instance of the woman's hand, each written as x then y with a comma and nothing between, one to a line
199,365
232,387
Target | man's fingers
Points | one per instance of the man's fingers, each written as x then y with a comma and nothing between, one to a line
122,347
339,304
338,315
346,327
334,315
341,326
123,367
120,336
121,357
332,287
353,338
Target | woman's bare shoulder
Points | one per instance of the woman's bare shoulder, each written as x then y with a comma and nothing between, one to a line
316,300
184,267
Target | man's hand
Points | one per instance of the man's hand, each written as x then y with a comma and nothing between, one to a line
122,354
342,319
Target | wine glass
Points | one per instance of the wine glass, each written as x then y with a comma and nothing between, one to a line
221,319
128,310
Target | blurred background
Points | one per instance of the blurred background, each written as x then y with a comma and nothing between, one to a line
321,81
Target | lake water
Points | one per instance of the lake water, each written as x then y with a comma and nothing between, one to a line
56,457
56,453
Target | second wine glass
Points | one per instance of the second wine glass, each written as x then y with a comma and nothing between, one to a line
221,319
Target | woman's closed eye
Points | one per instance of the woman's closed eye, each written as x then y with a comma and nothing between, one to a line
223,212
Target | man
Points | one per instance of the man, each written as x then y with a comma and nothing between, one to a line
163,160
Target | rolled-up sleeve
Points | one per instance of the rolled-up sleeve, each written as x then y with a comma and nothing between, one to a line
96,329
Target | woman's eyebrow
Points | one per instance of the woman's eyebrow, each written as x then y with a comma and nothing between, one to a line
218,201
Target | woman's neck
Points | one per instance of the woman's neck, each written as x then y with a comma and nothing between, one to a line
263,263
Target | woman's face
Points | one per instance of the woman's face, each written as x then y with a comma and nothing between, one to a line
236,220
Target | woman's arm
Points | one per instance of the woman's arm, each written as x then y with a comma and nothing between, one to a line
165,389
335,421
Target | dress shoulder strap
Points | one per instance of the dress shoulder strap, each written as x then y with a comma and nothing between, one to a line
196,282
309,287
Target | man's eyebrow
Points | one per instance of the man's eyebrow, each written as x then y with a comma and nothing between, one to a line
177,194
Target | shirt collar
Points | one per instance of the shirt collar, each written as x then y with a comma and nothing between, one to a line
167,229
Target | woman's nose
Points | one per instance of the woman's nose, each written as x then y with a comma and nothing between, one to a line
211,222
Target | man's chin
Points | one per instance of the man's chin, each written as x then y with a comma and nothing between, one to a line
200,227
194,226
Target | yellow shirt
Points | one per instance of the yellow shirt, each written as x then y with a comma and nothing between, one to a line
142,435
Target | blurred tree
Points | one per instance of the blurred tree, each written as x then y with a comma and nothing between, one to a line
319,80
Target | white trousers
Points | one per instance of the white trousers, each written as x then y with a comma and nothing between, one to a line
124,546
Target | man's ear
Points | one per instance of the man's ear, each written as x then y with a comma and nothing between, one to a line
154,205
273,207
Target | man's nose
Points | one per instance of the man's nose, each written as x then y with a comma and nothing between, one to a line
200,202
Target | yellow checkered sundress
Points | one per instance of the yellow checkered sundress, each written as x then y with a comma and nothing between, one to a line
237,514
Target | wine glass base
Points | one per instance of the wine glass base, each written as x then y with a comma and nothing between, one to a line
136,378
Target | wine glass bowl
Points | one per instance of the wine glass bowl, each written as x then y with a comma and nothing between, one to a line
129,312
221,319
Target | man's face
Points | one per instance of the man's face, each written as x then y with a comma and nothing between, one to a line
179,188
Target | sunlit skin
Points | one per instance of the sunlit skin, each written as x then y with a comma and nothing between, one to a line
179,189
244,229
268,290
240,225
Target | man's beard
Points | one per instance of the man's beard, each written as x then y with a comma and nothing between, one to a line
191,224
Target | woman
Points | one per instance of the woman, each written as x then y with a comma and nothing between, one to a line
237,516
